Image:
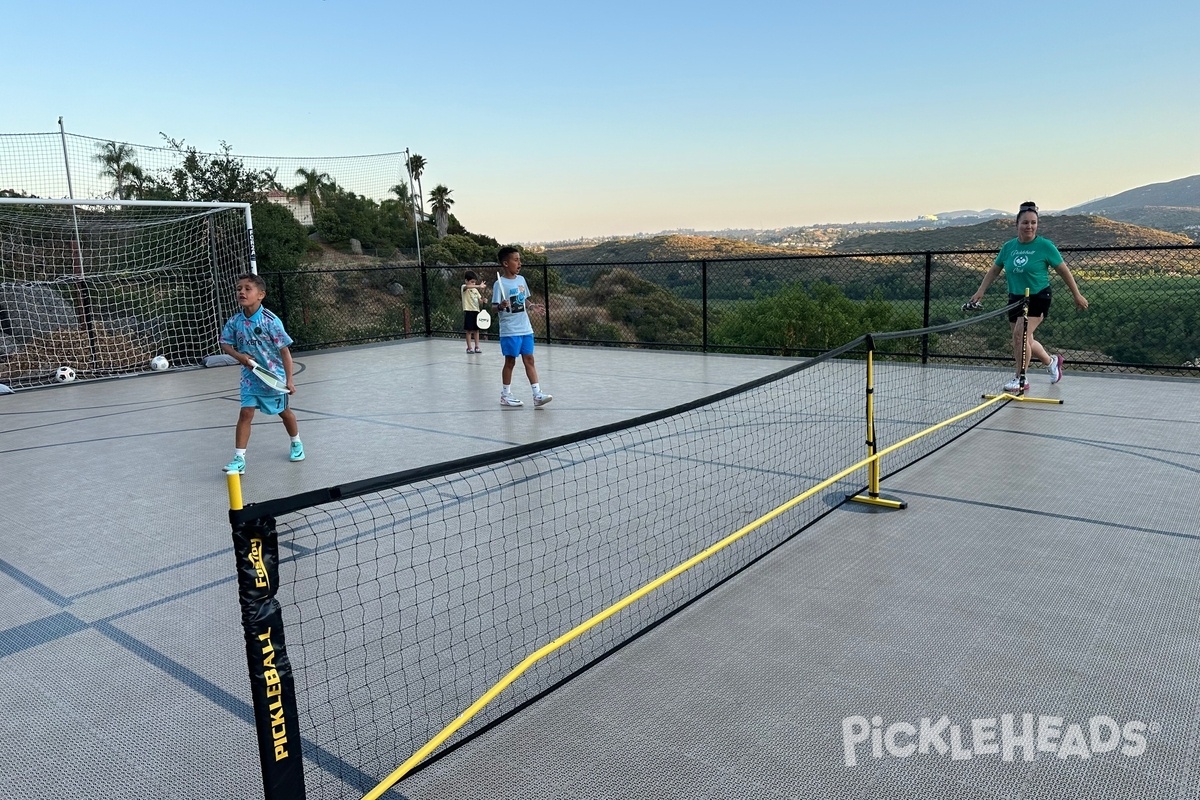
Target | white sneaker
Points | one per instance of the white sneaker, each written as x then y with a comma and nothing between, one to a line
1016,385
1055,368
540,399
508,401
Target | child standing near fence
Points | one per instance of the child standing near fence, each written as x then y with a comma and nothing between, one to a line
471,298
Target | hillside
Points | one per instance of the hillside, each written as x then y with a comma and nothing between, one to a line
1176,219
674,247
1064,231
1181,193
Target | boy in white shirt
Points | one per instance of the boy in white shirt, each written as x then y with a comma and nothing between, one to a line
510,296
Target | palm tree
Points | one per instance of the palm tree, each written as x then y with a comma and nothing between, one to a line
119,165
269,179
416,167
402,194
439,203
139,184
310,189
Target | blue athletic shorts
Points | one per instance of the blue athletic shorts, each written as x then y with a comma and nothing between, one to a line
274,404
513,346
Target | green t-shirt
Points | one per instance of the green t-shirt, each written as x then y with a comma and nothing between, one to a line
1027,266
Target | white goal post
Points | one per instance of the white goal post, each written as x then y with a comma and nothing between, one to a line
105,286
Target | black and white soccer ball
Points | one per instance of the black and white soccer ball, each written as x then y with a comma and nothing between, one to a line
64,375
159,363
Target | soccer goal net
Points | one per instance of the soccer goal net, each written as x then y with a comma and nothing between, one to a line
103,286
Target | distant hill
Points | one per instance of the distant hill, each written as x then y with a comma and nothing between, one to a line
1064,231
987,213
1172,206
674,247
1156,214
1182,220
1182,193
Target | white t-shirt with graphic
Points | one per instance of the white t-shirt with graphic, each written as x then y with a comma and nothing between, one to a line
514,321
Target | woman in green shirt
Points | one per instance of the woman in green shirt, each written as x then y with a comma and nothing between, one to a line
1027,261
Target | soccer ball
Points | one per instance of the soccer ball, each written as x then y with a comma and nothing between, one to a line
64,375
159,363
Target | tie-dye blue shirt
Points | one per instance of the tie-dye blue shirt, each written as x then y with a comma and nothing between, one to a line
260,336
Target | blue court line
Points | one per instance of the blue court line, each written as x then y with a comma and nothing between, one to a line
40,631
171,598
61,625
34,585
1121,526
234,705
149,574
1137,451
142,406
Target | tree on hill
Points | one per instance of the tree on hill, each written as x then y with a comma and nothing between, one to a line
311,186
439,203
206,177
651,312
270,180
455,249
403,195
120,164
416,167
796,320
673,247
280,241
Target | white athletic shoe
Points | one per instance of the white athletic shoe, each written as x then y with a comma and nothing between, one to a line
508,401
541,399
1016,385
1055,368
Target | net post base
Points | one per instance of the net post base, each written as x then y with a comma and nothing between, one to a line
880,501
1023,399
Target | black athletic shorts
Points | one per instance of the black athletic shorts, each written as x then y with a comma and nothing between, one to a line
469,323
1039,305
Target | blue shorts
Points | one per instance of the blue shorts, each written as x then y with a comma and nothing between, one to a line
513,346
273,404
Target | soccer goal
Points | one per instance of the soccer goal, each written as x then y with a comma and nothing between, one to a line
106,286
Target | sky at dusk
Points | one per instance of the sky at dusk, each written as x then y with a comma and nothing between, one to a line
554,121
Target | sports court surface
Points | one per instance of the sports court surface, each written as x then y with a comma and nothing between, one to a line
1046,565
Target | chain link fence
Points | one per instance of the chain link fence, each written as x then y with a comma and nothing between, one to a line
1144,313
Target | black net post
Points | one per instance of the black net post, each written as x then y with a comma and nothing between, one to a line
425,300
256,547
925,310
546,296
282,301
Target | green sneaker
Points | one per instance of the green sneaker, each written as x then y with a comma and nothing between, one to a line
238,465
297,451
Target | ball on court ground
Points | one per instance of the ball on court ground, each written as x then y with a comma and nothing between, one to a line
64,375
159,363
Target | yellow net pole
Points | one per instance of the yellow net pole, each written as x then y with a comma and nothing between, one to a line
873,469
234,483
